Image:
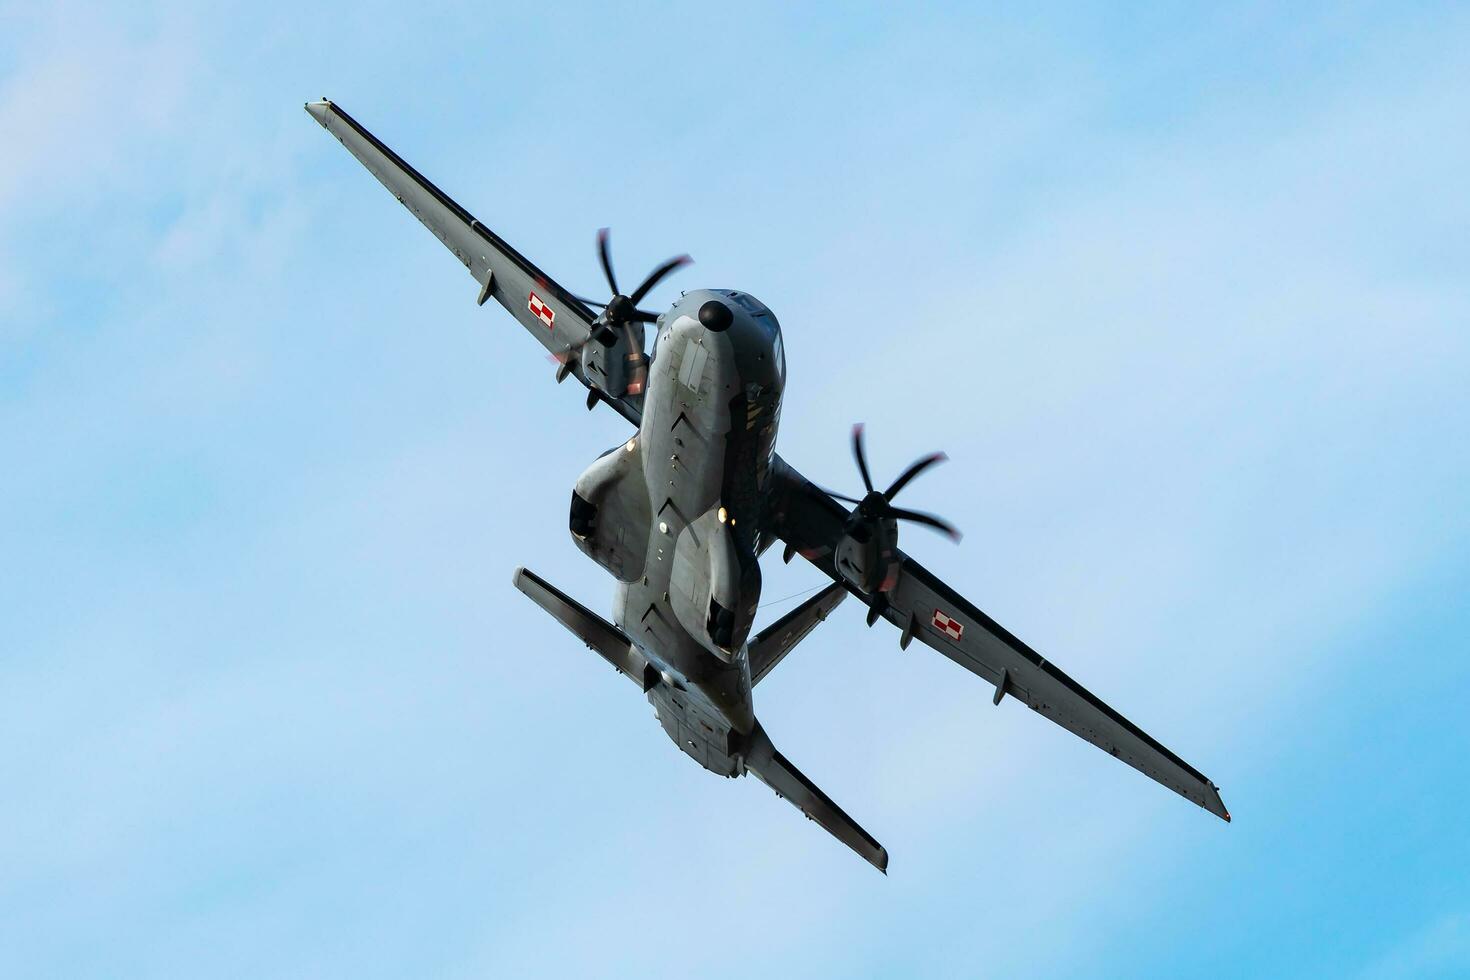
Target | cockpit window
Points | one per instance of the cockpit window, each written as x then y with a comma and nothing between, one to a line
749,303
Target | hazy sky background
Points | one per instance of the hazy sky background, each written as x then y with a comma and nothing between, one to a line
1183,294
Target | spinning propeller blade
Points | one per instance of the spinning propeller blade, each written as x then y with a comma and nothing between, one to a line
860,456
879,506
620,312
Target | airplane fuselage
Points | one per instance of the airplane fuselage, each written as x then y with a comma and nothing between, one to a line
676,513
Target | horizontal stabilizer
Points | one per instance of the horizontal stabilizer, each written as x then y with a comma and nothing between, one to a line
776,640
772,768
592,629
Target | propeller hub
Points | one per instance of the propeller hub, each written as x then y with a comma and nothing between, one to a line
620,309
877,505
874,505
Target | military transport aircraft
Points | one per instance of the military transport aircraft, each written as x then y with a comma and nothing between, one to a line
681,511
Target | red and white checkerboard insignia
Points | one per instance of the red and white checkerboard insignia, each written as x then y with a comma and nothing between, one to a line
952,628
541,311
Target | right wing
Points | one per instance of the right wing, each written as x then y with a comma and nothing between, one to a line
924,608
556,318
931,611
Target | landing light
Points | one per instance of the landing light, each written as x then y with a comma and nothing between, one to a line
630,445
722,515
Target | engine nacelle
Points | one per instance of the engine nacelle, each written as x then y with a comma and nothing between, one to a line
867,554
609,366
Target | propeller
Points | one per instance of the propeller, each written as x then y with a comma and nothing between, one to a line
878,505
621,312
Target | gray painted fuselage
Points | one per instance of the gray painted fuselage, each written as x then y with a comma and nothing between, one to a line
678,517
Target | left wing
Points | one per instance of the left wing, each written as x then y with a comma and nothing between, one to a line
556,318
927,609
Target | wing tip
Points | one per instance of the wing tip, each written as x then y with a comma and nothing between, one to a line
1216,805
319,110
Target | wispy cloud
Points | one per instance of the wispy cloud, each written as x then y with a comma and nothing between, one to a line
84,110
269,703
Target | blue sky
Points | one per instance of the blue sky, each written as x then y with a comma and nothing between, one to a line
1183,294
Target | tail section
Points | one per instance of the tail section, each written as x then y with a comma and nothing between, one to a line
772,769
722,751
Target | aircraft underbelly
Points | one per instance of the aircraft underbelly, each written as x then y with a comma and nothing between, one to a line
691,552
705,736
